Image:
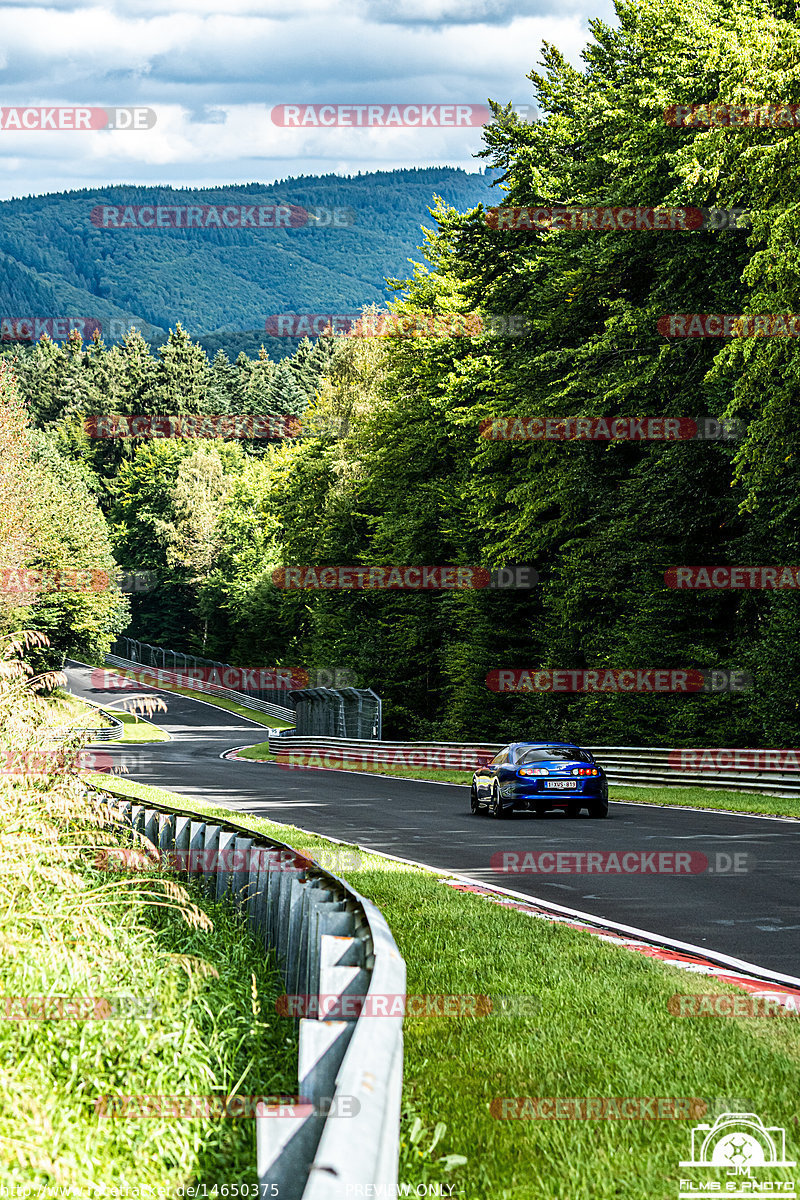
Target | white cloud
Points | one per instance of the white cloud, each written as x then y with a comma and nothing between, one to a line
212,75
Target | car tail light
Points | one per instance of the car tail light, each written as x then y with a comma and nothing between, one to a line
585,771
533,771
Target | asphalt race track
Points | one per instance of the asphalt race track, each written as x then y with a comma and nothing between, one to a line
752,915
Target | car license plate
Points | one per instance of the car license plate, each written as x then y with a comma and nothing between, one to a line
561,783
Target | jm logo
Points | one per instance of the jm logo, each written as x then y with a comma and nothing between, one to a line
738,1141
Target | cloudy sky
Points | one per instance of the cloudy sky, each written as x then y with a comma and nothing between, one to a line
214,70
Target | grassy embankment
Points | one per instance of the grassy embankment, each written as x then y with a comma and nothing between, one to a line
116,984
78,714
601,1028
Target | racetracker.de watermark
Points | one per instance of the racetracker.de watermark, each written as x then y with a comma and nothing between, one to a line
192,425
732,578
597,1108
221,1107
159,216
389,116
34,328
247,679
413,579
578,219
60,329
769,1003
645,681
349,1006
732,325
237,679
77,117
215,425
621,862
445,759
734,760
31,329
609,429
58,761
213,861
26,581
78,1008
719,115
399,325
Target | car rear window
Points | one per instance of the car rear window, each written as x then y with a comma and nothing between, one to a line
549,753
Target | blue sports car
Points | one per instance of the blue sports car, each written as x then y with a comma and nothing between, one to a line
537,776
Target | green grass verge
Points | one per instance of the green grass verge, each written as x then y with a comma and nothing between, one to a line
262,753
71,930
693,797
79,713
136,731
602,1028
713,798
74,712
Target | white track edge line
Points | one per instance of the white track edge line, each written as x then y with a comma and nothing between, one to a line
725,812
179,696
673,943
603,923
169,737
757,972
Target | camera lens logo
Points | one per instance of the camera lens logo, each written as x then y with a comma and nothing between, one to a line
739,1152
738,1141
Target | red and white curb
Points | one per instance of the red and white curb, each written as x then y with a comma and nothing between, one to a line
685,960
686,957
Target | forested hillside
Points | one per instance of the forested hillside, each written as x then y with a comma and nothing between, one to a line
221,283
412,481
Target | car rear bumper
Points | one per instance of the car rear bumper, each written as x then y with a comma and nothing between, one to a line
534,795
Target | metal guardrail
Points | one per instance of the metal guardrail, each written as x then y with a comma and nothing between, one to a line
109,733
650,766
144,654
105,734
210,689
632,766
336,712
330,941
289,742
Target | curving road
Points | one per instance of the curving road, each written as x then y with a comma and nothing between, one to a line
753,915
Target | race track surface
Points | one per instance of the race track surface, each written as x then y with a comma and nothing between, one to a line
752,915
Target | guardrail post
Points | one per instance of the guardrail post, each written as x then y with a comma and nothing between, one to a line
196,841
258,883
240,877
225,848
151,829
183,833
210,861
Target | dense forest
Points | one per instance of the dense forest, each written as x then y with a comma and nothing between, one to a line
410,480
59,259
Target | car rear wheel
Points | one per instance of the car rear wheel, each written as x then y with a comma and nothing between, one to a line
599,808
496,809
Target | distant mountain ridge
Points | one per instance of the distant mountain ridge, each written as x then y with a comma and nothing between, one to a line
58,261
